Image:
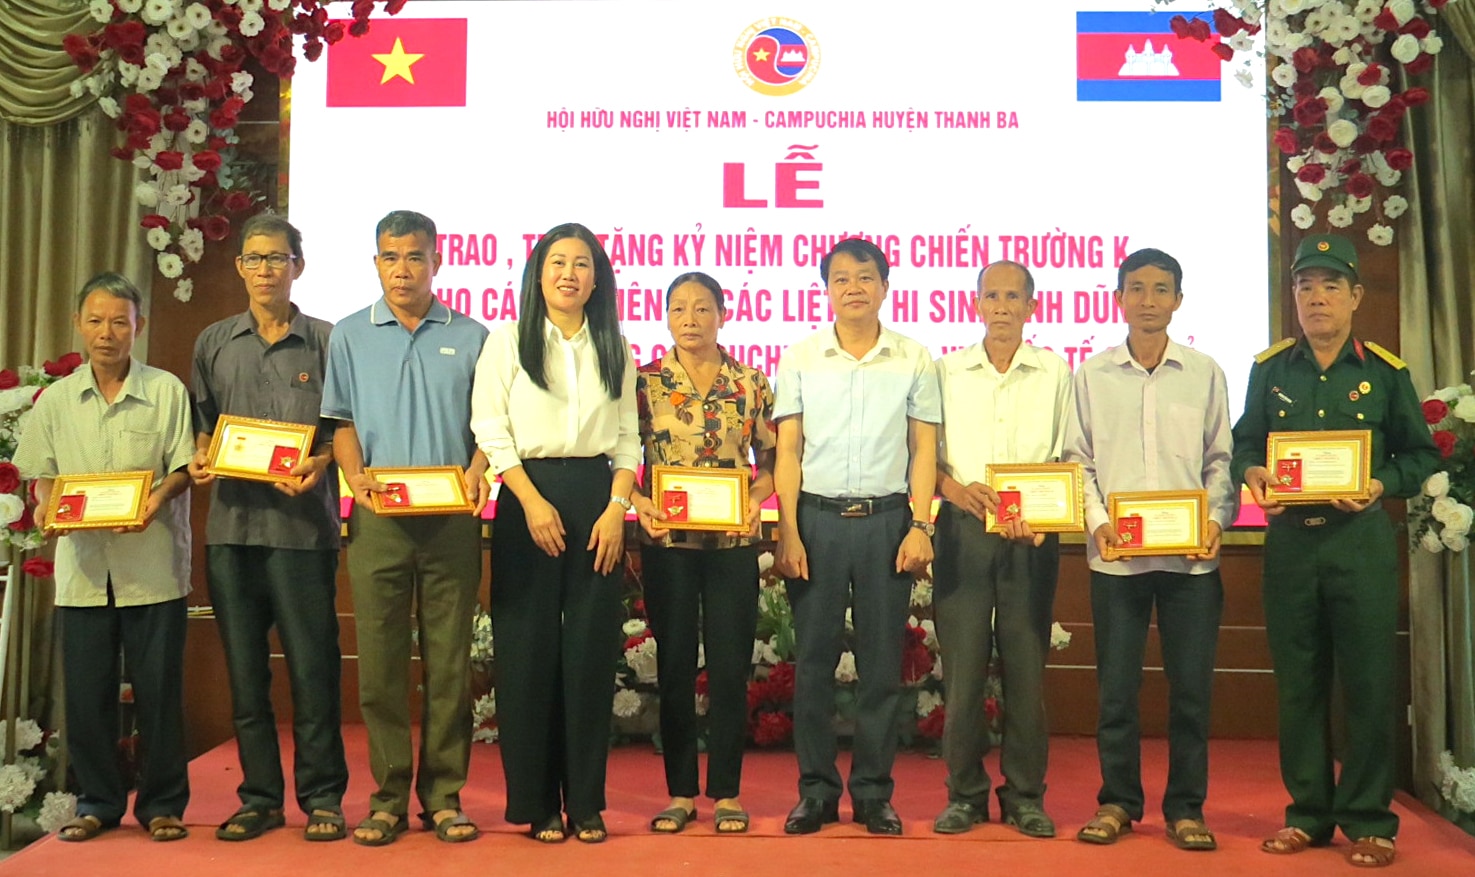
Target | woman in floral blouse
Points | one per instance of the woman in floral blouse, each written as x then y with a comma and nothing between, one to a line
700,407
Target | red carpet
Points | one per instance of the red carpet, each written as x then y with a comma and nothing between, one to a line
1245,804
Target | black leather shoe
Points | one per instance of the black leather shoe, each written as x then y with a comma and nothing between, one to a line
879,817
810,815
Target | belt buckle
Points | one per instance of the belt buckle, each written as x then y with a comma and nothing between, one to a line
1313,522
859,508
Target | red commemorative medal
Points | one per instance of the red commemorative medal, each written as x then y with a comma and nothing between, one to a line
283,460
396,494
1129,530
69,508
1288,475
674,505
1011,506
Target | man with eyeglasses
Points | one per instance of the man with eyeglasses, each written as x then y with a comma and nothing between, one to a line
272,548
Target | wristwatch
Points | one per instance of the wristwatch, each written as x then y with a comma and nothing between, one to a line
622,501
926,527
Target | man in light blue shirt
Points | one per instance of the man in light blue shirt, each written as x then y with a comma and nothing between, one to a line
857,411
1152,415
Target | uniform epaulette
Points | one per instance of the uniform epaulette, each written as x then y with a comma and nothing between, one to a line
1277,347
1385,355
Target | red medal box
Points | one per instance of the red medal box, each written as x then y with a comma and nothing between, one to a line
1010,506
396,494
674,505
1288,474
1129,530
283,460
69,509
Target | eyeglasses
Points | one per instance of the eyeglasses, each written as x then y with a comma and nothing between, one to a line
252,261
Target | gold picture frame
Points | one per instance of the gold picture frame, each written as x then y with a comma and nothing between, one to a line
704,498
98,502
421,490
1051,496
258,450
1319,466
1168,522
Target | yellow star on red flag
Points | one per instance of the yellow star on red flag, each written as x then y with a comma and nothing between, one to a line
398,63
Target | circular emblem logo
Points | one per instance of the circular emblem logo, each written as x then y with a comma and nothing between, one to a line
776,56
1323,246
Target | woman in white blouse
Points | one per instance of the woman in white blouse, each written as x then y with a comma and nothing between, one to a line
553,408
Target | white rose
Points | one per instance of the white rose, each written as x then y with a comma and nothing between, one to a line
127,73
170,265
765,562
1405,48
1464,409
158,238
1347,29
1367,10
130,6
179,27
1295,163
626,703
1402,10
1309,191
1431,542
1334,104
178,195
197,132
252,24
156,12
77,87
1451,395
1291,7
1244,77
198,15
1380,234
1388,176
1460,520
1442,508
927,701
278,5
1375,96
192,242
1339,216
1360,205
249,5
1433,43
1059,637
1303,216
1395,206
845,668
1284,75
1342,57
1241,42
1454,541
11,508
240,82
1343,131
184,290
109,107
101,11
633,627
149,79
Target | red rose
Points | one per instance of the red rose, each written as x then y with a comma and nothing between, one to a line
702,683
1305,87
176,120
207,181
237,201
232,55
636,640
145,123
1419,65
133,54
781,682
154,220
358,28
1198,29
207,160
38,568
1386,20
916,661
1418,27
1435,410
1350,167
1324,144
312,49
394,6
9,477
229,16
1287,141
222,121
216,143
191,91
932,724
1227,23
1306,59
1310,112
1445,441
26,521
61,368
1373,75
124,33
1179,24
169,160
1311,173
1382,129
1223,50
1399,159
37,395
1415,96
83,53
771,729
122,153
334,32
363,8
1359,185
8,379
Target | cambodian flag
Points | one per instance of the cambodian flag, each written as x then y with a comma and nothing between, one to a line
1135,56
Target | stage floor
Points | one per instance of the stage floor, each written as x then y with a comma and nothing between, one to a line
1245,804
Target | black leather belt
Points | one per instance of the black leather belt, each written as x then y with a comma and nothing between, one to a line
1310,517
855,506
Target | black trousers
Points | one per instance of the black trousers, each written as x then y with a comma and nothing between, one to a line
714,592
852,564
253,589
152,640
556,623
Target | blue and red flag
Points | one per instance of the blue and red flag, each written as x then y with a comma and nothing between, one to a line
1135,56
777,55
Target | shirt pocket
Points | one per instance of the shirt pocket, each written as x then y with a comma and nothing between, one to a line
1183,434
136,449
1366,412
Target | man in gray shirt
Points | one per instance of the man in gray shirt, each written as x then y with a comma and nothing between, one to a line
272,549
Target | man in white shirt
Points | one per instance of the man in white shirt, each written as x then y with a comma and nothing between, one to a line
1003,401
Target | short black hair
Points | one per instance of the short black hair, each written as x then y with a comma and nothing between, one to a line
113,284
859,249
399,223
273,224
1150,258
701,278
1029,279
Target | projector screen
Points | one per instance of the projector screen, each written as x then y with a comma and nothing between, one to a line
743,139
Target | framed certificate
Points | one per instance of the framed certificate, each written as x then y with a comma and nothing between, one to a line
421,490
258,450
1318,467
701,497
1049,496
1160,522
97,502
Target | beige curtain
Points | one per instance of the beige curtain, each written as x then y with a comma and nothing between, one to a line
67,209
1437,318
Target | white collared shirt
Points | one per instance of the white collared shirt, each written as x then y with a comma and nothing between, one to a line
514,420
1017,416
855,410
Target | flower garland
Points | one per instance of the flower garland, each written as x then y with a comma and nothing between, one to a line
169,72
1341,135
1443,517
19,390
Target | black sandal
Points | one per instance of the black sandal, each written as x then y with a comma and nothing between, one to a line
588,829
333,818
252,823
549,831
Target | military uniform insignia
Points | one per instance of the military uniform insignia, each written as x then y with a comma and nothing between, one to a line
1384,354
1365,387
1354,395
1272,350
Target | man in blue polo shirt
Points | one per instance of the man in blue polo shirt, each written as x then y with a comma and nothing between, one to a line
399,385
857,411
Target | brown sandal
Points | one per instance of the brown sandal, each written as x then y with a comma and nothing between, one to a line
1287,841
1192,835
1109,824
1378,851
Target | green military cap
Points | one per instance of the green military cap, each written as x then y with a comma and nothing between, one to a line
1326,251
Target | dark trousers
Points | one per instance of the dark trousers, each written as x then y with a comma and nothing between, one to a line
715,592
253,589
556,623
986,586
152,640
1188,610
1331,599
852,563
430,567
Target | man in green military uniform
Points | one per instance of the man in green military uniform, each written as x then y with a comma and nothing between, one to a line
1331,571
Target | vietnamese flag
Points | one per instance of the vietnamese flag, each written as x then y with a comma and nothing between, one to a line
400,62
